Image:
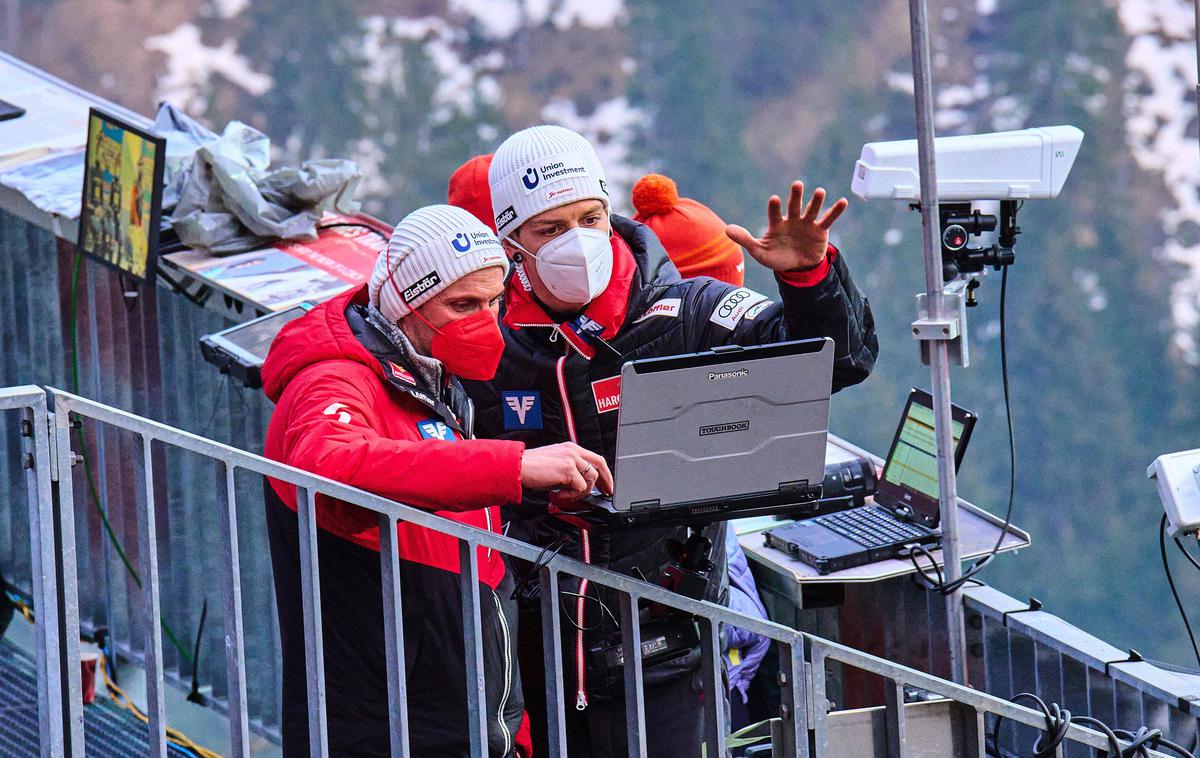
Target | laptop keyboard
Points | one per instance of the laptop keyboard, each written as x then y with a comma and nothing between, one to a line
871,526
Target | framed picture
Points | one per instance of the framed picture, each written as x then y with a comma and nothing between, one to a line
122,195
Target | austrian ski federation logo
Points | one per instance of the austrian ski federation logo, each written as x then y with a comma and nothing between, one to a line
432,429
522,409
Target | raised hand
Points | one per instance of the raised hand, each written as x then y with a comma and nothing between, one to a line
794,242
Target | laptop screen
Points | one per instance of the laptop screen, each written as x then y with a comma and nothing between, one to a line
909,478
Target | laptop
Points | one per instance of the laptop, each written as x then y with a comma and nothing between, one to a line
905,510
726,433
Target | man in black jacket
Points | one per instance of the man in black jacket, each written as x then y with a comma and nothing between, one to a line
590,291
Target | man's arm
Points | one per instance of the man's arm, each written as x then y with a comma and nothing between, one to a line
332,433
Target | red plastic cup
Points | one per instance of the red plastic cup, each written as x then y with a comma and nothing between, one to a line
87,666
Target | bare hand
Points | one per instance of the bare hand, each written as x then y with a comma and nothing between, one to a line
566,467
794,243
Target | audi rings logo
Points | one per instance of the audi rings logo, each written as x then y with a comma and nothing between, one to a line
461,242
531,179
730,304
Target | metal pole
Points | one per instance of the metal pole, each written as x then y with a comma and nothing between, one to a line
1196,7
939,350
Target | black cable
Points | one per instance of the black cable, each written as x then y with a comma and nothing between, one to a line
940,586
1162,548
1186,554
194,696
522,587
598,601
1058,723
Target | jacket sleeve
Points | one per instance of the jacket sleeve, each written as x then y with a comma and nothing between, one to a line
826,305
332,431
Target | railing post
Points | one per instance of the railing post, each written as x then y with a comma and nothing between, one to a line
235,653
712,672
67,631
631,652
393,636
468,572
314,640
820,705
53,720
556,703
795,699
152,610
897,743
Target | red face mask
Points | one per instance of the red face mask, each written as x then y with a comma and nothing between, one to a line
469,347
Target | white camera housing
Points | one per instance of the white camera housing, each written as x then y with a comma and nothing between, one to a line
1178,479
1029,164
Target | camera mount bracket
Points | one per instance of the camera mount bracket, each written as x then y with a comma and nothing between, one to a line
952,328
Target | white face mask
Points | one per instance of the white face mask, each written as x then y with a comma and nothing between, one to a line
575,266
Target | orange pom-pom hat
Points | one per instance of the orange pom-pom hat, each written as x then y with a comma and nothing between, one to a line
693,235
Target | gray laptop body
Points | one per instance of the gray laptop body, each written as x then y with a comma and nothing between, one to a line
727,433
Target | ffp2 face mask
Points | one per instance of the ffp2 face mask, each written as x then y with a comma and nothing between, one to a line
575,266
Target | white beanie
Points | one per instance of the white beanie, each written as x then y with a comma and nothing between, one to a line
540,168
432,248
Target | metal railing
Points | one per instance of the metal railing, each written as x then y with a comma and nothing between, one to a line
1018,647
44,549
804,720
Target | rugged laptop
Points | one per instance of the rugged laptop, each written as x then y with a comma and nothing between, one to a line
727,433
905,511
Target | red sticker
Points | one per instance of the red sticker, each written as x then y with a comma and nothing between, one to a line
607,393
401,374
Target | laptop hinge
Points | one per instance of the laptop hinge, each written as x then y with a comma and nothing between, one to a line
798,488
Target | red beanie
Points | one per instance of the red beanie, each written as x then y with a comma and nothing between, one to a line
693,235
469,189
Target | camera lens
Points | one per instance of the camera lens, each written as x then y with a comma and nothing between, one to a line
954,237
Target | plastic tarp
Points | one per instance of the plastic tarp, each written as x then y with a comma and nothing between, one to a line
220,194
223,197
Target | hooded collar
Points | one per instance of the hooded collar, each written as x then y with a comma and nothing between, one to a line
600,320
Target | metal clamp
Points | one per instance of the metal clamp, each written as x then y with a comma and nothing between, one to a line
930,329
951,328
1034,605
1134,657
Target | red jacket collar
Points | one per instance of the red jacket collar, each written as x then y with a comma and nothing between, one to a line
602,318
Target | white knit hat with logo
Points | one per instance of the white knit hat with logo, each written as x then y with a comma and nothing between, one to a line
432,248
540,168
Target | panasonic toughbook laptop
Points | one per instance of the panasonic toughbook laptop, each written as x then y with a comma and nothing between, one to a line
905,511
731,432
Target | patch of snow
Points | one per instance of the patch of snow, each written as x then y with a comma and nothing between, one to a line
1008,113
1089,283
499,19
950,118
1161,61
590,14
899,81
191,64
230,8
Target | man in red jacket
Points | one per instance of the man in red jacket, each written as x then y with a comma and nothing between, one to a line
367,393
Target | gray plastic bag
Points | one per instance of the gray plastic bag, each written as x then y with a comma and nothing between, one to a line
227,200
